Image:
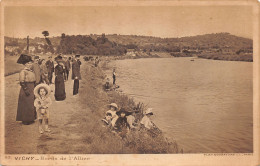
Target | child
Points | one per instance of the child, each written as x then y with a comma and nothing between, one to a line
146,122
42,103
111,115
107,86
131,118
114,76
108,118
121,124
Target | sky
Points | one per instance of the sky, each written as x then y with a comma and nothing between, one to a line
159,21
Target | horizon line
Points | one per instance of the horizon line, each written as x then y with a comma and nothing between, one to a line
133,35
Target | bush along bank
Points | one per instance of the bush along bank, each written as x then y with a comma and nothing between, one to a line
102,140
228,57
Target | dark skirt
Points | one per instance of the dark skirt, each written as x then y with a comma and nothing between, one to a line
26,111
60,93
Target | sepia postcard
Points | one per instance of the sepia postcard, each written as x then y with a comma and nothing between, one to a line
140,82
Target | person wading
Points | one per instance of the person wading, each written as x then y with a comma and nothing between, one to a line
76,74
50,68
60,93
26,111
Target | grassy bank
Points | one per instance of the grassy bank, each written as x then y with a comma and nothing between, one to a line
228,57
11,67
100,139
218,56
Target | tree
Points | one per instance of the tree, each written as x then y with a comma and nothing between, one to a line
45,33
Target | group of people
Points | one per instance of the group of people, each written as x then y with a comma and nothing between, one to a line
34,97
121,121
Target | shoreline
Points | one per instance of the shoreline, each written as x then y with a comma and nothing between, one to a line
97,99
10,71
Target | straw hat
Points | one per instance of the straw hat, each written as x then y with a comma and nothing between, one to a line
45,86
113,105
148,111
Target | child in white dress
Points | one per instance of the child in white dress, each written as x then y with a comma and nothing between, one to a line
111,116
42,104
146,121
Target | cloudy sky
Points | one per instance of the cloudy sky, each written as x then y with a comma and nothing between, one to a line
160,21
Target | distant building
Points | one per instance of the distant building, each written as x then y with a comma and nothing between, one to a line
11,48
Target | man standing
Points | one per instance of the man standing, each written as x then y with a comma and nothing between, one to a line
76,74
37,70
50,68
67,68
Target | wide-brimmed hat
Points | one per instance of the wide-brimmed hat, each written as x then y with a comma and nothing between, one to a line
148,111
113,105
77,56
23,59
45,86
122,110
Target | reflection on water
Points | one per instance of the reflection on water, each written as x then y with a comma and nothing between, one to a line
205,105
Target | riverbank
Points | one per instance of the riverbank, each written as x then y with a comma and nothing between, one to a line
75,123
229,57
217,56
97,100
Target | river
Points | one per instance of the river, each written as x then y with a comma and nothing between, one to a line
205,105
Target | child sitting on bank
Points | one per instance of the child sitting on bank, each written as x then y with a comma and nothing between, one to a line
146,121
131,118
111,116
107,86
121,125
42,103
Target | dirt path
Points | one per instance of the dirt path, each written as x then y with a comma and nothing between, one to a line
25,139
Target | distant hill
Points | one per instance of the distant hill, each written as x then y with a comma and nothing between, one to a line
114,44
199,41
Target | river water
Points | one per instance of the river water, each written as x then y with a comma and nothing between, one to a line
205,105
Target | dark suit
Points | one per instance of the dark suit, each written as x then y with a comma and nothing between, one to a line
37,71
76,73
67,69
50,68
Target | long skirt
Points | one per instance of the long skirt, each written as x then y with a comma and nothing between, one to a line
60,93
26,111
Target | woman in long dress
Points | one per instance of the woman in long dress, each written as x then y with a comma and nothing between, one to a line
26,111
60,93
